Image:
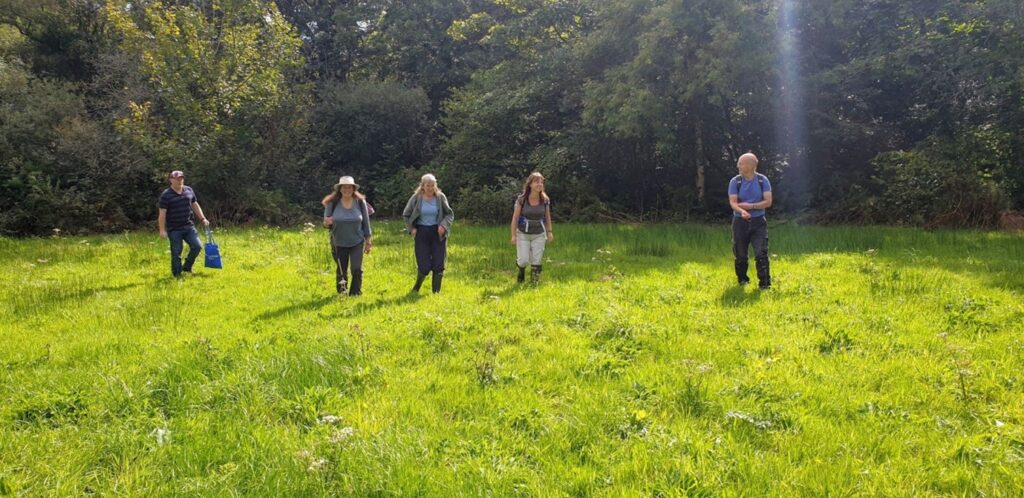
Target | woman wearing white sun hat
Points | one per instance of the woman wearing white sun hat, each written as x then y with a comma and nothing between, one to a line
347,215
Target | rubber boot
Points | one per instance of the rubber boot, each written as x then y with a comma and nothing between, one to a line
535,275
420,277
435,282
356,288
341,284
522,275
741,271
764,278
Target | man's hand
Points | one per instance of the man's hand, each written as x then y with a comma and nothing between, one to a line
551,236
745,214
163,234
745,205
206,222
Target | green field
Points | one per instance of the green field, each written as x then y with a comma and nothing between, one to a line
884,362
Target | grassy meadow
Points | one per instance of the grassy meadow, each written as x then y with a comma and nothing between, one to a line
884,362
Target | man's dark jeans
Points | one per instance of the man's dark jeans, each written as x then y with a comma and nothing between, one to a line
744,234
190,236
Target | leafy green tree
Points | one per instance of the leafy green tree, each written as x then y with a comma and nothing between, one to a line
218,72
372,131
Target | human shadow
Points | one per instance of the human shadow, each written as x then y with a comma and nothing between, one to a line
737,296
297,307
367,306
45,298
490,293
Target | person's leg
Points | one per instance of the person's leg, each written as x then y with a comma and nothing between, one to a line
537,256
356,255
192,237
740,242
175,237
522,255
438,254
759,239
341,268
422,250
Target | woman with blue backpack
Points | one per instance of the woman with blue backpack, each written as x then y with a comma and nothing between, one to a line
347,215
531,227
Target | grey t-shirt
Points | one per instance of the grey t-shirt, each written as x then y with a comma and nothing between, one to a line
531,218
351,226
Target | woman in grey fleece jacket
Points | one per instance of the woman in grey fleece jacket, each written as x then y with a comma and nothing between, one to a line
429,217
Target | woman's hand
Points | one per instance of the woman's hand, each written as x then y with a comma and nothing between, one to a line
551,236
513,239
367,246
441,230
412,232
328,221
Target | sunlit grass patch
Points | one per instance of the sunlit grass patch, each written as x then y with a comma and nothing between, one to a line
884,361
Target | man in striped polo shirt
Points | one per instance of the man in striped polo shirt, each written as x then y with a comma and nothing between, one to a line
177,204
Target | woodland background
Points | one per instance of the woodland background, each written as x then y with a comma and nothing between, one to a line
867,112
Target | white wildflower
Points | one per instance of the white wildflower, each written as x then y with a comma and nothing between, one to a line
317,464
342,434
328,419
162,435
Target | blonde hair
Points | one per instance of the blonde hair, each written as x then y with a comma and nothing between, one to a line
427,178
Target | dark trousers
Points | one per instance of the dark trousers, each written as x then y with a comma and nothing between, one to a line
342,257
177,237
431,250
746,233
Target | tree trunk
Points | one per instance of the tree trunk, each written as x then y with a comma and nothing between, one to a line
701,164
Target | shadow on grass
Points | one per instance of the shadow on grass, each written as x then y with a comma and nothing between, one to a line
44,299
736,296
364,307
490,293
297,307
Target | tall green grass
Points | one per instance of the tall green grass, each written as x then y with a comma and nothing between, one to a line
884,362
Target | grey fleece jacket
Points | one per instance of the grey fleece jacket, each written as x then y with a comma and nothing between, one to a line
411,213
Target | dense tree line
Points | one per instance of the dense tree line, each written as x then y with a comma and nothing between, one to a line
881,111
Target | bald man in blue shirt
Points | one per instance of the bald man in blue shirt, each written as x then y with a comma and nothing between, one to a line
750,193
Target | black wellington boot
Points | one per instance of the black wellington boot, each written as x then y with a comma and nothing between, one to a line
741,271
356,286
764,278
435,282
522,275
535,275
420,277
